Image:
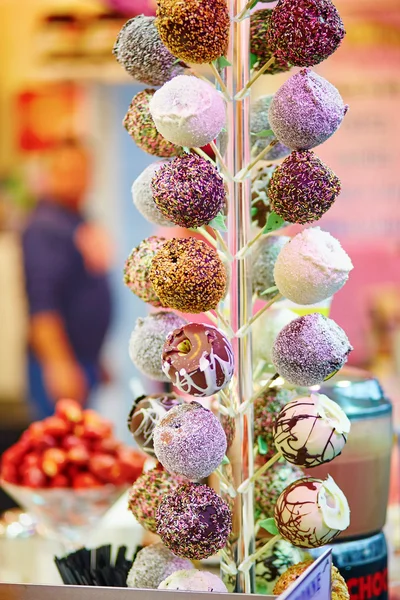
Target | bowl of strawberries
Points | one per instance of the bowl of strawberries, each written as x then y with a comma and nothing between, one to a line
68,470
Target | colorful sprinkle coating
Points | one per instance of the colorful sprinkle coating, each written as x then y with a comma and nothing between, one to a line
147,341
189,191
145,414
190,441
339,591
305,32
266,407
194,522
269,486
310,349
140,125
188,111
196,31
229,426
137,268
303,188
259,122
188,275
143,197
311,267
152,565
264,257
260,204
259,25
275,561
146,493
306,111
140,51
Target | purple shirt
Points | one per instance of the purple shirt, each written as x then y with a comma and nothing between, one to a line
57,280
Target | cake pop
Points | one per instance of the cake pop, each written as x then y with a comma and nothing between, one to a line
194,522
229,426
152,565
302,188
273,563
193,581
310,350
265,331
311,430
188,275
305,32
198,359
190,441
311,513
188,111
143,196
259,122
196,31
189,191
311,267
146,493
339,589
137,268
146,413
140,51
260,204
259,45
266,407
140,125
147,340
264,257
306,111
269,486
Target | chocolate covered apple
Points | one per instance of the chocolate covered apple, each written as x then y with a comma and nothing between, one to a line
198,359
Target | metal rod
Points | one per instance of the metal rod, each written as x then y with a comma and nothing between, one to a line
237,157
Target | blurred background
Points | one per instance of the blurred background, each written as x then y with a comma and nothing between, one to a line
62,100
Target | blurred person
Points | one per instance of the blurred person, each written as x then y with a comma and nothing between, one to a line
66,259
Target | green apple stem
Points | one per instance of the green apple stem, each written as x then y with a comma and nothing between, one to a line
245,486
244,330
245,172
257,394
222,85
243,92
250,560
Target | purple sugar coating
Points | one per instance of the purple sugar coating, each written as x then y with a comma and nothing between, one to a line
190,441
305,32
310,350
194,522
306,111
189,191
302,188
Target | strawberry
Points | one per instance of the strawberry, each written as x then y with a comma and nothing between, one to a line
85,480
60,481
101,466
56,426
34,478
53,461
78,455
9,472
69,410
108,445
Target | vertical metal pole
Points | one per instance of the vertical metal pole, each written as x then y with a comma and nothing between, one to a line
237,157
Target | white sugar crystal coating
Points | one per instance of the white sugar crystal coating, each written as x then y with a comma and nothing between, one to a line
311,430
143,198
193,581
311,267
152,565
311,513
188,111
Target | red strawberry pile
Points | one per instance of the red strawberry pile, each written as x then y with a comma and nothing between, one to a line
75,448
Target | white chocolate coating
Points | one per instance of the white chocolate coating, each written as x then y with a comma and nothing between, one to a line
311,430
311,267
311,513
193,581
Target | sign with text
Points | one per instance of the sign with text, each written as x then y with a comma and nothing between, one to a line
314,583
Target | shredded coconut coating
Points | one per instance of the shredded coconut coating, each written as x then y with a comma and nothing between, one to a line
305,32
143,197
140,51
303,188
306,111
189,191
310,349
188,275
140,125
196,31
147,341
194,522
